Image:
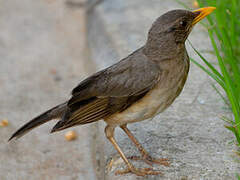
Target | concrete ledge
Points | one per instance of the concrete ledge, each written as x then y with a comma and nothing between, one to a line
190,132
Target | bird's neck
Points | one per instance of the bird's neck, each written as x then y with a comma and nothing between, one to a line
160,49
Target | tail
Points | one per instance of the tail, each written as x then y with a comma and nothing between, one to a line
53,113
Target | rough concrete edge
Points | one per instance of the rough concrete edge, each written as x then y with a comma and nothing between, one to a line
97,35
90,66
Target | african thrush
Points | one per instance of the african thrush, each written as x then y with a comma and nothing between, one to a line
136,88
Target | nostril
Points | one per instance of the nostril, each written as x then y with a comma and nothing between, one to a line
196,13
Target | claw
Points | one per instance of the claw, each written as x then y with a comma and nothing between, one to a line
139,171
161,161
150,161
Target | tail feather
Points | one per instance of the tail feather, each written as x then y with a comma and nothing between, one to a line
53,113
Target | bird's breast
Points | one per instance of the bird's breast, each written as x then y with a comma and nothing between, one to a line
156,100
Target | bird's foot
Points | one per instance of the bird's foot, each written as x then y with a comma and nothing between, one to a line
150,161
139,171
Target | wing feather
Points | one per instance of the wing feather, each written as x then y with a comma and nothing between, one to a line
110,90
88,110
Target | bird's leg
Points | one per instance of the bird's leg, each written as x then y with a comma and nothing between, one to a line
109,131
145,155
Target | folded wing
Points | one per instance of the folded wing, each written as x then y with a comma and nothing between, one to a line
111,90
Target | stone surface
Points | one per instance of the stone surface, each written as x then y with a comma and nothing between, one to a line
189,133
43,56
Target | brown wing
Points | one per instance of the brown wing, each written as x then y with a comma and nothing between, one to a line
110,90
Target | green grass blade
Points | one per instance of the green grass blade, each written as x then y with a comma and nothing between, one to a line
207,63
229,84
221,95
212,75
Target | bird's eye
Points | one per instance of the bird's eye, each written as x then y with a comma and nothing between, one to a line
183,23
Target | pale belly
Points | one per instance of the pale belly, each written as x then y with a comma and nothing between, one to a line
154,102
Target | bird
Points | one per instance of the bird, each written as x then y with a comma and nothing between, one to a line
134,89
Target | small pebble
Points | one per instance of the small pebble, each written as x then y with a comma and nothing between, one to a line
195,4
4,123
70,135
53,71
201,101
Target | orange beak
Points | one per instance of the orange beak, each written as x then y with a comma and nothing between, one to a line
202,13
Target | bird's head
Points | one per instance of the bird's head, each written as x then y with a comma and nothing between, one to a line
174,26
